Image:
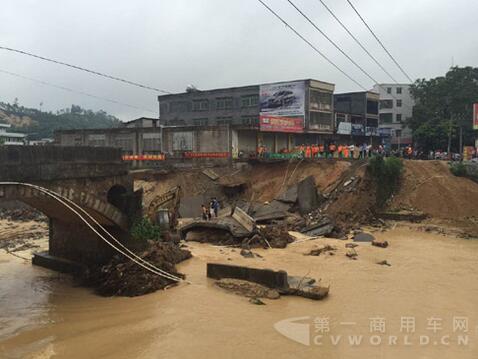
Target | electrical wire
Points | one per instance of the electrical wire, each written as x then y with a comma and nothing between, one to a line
84,69
75,91
380,42
311,45
332,42
357,41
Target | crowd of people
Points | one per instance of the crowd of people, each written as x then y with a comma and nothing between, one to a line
359,151
212,209
331,150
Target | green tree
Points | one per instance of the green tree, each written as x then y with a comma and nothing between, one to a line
443,106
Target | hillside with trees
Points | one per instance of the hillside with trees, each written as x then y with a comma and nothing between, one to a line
39,124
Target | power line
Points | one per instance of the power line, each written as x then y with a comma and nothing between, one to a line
357,40
74,91
85,69
338,48
380,42
332,42
311,45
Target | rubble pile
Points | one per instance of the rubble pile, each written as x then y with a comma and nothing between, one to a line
277,236
123,277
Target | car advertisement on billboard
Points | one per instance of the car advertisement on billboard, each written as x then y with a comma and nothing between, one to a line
282,107
475,116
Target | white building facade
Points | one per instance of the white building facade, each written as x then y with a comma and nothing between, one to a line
395,107
10,138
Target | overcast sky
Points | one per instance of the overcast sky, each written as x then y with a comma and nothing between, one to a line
169,44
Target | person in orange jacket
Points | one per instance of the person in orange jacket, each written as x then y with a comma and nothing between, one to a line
332,149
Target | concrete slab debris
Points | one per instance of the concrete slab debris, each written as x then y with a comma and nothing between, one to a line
278,280
321,228
289,196
244,219
209,172
267,277
307,196
363,237
267,212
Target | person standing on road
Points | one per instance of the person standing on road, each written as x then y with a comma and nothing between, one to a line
215,206
204,212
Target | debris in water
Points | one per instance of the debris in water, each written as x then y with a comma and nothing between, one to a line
380,243
384,263
124,277
247,289
321,250
256,301
352,253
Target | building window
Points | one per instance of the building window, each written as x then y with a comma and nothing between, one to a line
249,120
372,107
320,100
200,105
125,142
399,103
384,104
224,103
399,90
176,106
223,120
320,120
200,122
389,90
398,117
249,100
386,118
398,133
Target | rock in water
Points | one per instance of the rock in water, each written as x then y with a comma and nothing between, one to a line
380,243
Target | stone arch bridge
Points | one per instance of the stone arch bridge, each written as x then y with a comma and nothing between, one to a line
95,178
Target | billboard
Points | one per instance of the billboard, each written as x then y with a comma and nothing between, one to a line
282,106
281,124
475,116
344,128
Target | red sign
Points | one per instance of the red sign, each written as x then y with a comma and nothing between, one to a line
475,116
161,157
206,154
281,124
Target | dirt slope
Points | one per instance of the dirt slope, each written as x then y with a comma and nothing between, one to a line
430,187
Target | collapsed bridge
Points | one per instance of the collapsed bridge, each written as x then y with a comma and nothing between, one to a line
94,178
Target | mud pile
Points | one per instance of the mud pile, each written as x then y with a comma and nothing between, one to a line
123,277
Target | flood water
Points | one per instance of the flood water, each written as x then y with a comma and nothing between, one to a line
432,282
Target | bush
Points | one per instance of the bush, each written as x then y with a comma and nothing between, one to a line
144,230
458,169
386,174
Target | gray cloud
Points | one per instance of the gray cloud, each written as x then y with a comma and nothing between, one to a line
214,43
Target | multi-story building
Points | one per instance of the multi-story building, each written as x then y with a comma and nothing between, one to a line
277,115
396,106
356,116
10,138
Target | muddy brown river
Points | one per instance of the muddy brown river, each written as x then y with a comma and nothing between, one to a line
425,305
